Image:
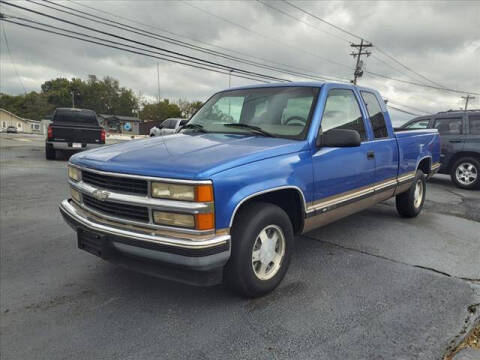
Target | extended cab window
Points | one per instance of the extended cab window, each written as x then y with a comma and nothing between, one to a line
450,126
474,124
342,112
420,124
279,111
375,114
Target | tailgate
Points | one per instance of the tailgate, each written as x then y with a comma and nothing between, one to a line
84,135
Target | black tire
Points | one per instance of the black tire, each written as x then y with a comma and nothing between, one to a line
473,167
239,273
406,203
49,152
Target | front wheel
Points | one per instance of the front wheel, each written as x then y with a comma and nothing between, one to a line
410,203
262,245
466,173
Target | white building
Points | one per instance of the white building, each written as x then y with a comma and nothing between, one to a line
22,125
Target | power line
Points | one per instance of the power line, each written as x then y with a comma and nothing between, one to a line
250,73
301,21
266,37
197,40
11,59
184,44
403,111
410,107
421,85
360,38
324,21
190,64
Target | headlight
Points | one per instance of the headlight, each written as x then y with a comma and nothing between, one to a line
203,193
74,173
173,219
76,195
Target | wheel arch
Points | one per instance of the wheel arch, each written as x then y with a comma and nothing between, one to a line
425,164
459,155
290,198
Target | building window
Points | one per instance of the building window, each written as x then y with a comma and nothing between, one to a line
4,124
19,125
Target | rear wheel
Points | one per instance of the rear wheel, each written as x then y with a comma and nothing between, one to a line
410,203
262,244
465,173
49,152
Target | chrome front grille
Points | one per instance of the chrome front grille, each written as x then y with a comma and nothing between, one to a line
128,212
115,183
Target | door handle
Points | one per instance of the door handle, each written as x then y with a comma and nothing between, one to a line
370,155
455,141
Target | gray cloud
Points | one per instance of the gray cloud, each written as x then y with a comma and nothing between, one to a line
440,40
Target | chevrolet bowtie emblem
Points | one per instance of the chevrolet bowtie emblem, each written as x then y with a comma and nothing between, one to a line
101,195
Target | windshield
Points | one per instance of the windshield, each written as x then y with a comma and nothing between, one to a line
279,111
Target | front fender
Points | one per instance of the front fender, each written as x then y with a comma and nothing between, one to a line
234,186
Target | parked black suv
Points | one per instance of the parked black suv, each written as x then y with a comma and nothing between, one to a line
73,130
460,138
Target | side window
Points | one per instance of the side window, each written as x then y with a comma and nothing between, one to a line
342,112
450,126
420,124
376,115
474,124
171,124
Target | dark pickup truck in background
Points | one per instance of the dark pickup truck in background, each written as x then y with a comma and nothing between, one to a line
73,130
460,144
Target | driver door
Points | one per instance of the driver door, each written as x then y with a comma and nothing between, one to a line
342,174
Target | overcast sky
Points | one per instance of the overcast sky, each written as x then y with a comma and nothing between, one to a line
439,40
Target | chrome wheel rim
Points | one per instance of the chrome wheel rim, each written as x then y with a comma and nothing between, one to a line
466,173
268,252
418,194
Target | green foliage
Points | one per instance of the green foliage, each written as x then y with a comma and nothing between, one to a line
188,108
103,96
160,111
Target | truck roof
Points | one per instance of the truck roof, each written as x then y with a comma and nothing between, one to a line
300,84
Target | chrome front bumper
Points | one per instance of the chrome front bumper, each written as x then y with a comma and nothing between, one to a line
195,254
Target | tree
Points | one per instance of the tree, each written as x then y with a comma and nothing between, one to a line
188,108
159,111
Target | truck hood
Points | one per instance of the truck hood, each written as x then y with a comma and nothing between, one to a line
185,156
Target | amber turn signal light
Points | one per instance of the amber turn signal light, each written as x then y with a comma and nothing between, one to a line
205,221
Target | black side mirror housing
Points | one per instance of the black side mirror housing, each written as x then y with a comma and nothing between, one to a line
338,138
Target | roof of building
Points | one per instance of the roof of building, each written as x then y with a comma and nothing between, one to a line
120,117
12,114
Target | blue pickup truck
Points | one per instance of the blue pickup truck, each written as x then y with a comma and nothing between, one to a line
222,200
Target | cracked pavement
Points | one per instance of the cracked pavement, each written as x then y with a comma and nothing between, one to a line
371,286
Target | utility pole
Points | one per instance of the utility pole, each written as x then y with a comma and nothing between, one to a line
230,79
467,98
359,65
158,82
73,99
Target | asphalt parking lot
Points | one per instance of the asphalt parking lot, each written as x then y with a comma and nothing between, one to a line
371,286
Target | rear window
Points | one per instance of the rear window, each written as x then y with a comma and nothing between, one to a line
449,126
75,117
376,115
474,124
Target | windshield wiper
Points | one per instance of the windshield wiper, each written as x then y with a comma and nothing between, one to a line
256,129
197,127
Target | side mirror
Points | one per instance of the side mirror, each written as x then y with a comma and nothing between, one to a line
338,138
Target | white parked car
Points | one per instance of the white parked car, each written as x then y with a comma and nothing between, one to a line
167,127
